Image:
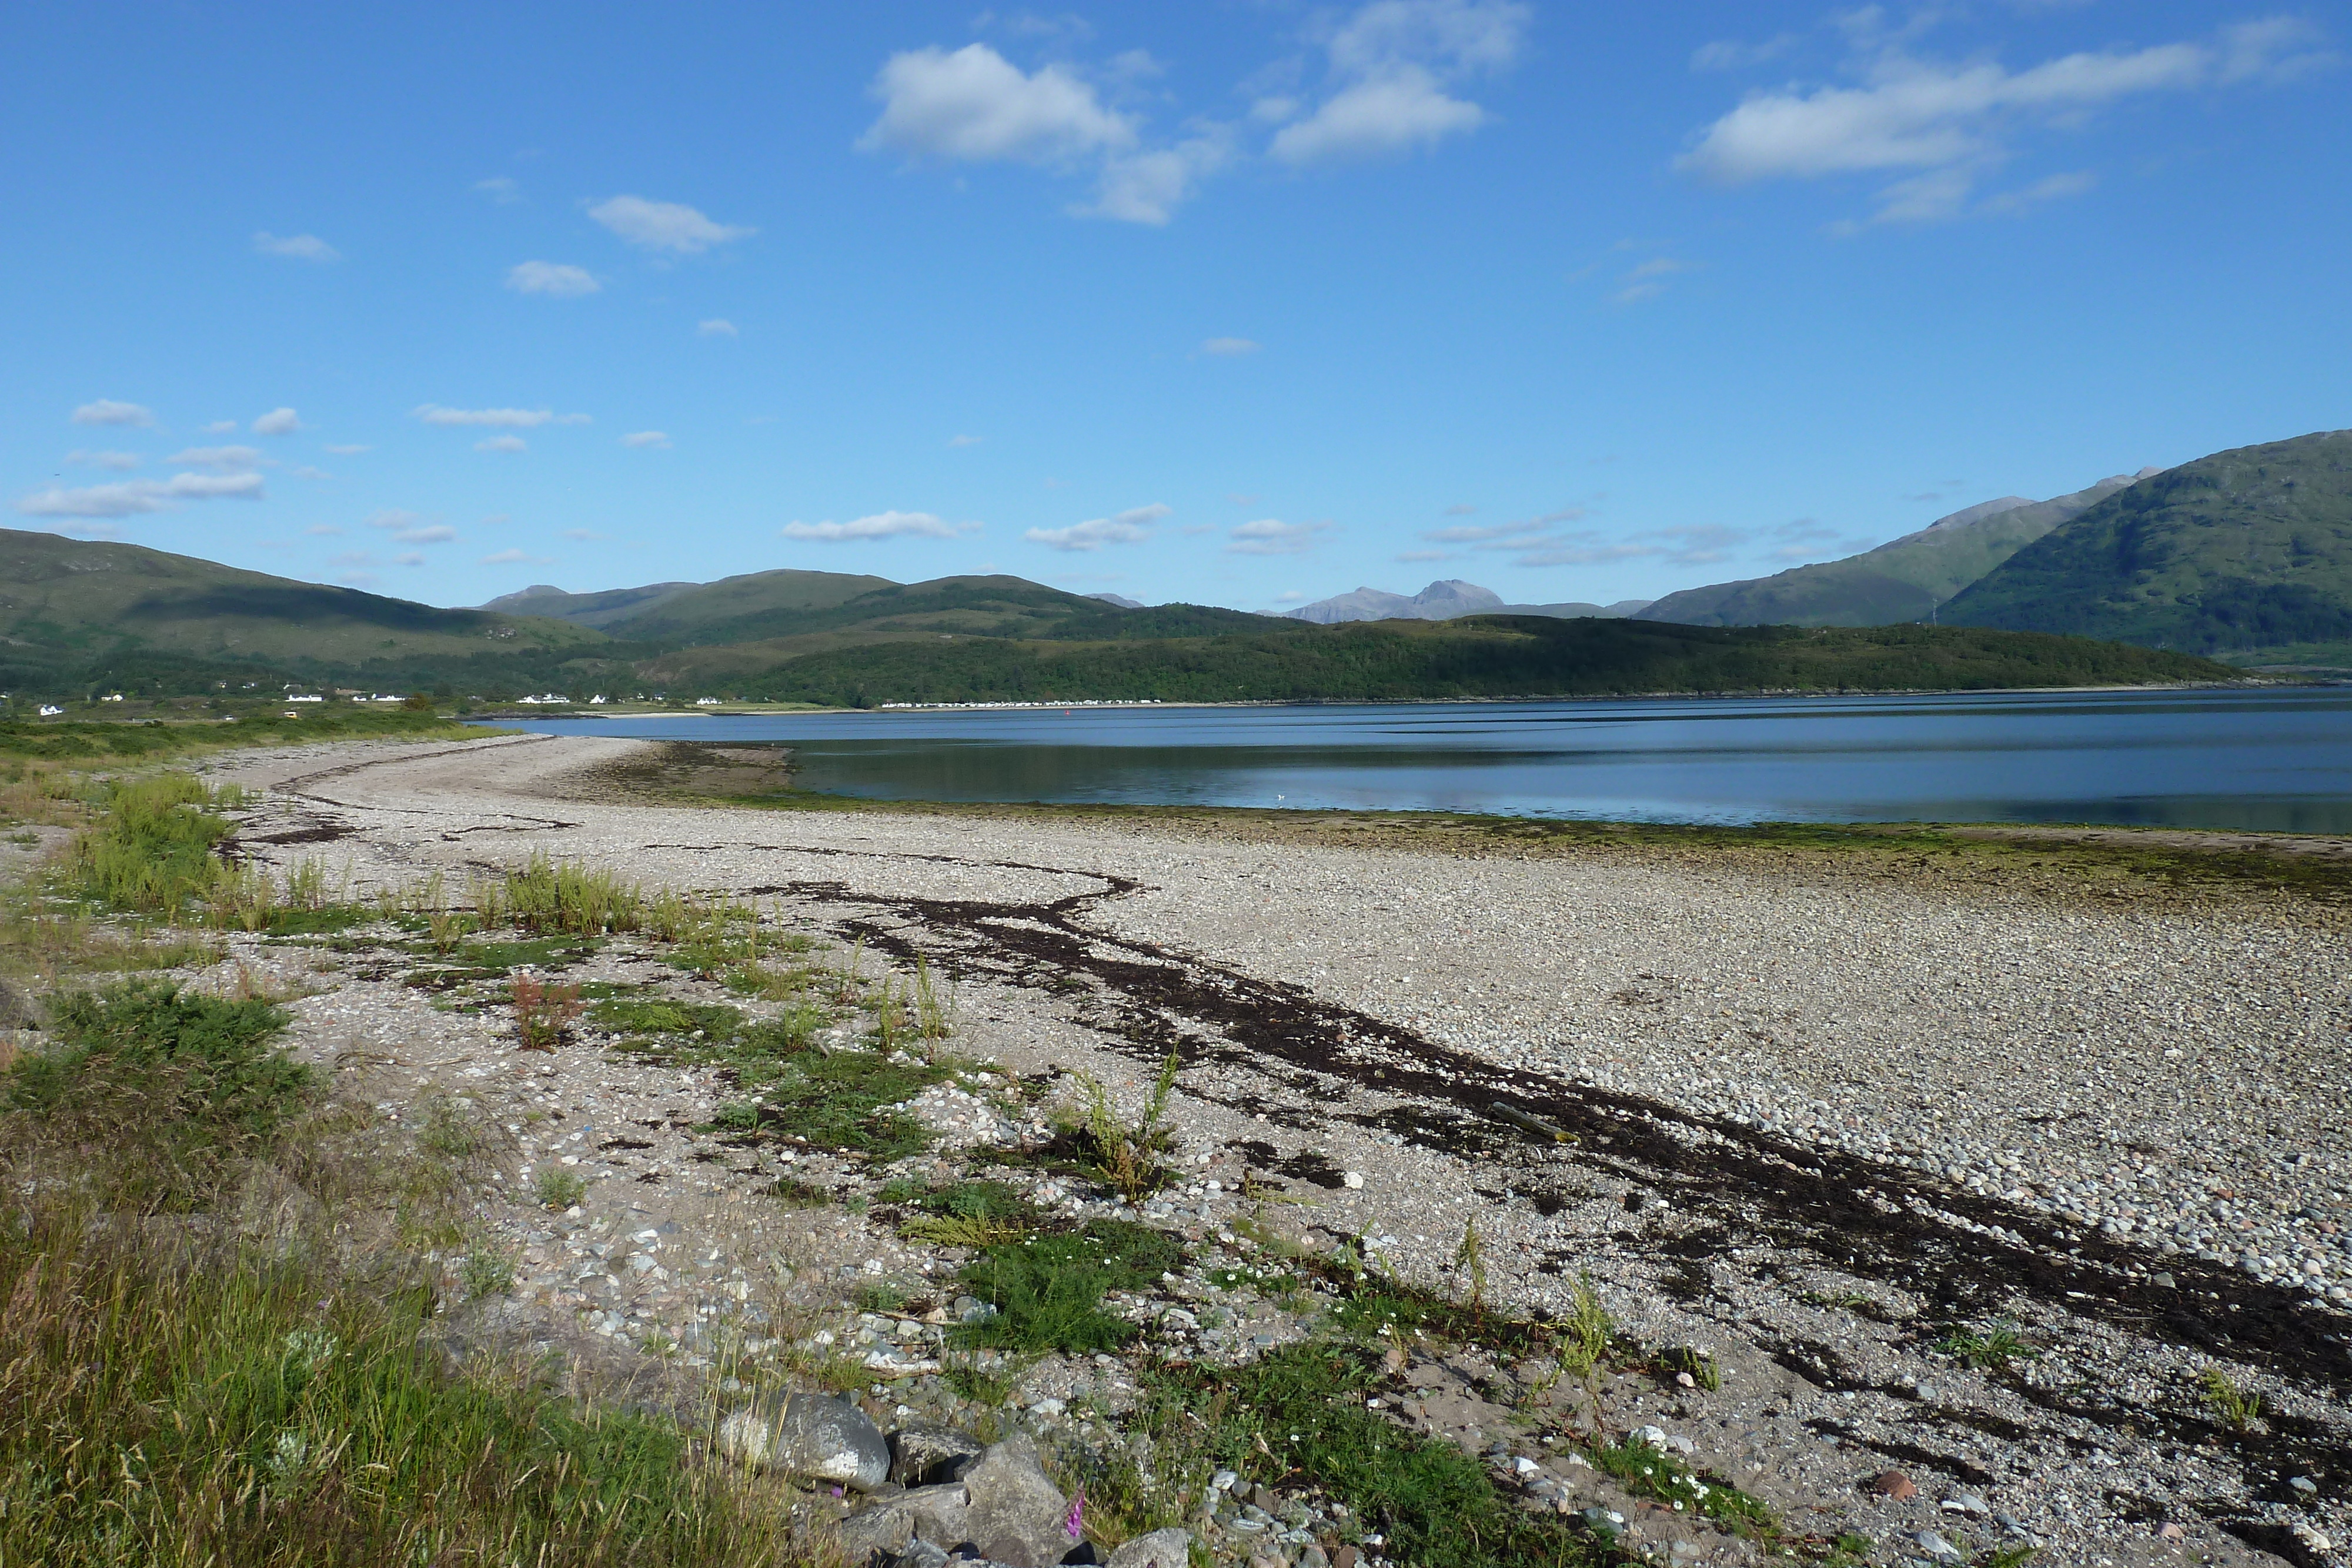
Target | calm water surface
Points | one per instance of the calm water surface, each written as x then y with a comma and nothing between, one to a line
2272,759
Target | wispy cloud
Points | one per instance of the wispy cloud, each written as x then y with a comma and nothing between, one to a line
1229,348
132,497
515,557
221,457
297,247
106,411
502,444
408,527
880,526
119,462
1127,528
716,326
278,422
964,440
643,438
500,189
1271,536
1394,67
349,451
558,280
1939,127
495,418
664,225
972,105
585,536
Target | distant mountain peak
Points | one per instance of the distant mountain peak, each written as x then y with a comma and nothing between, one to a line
1119,599
1440,600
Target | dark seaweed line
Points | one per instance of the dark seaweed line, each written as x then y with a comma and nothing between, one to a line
1870,1218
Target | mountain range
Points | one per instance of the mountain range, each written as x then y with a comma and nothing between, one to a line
1444,601
2246,555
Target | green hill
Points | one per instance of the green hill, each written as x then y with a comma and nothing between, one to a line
71,610
1904,579
1478,657
597,610
2243,551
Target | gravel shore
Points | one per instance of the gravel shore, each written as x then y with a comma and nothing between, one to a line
1817,1121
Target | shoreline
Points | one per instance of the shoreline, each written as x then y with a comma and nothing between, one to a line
1820,1119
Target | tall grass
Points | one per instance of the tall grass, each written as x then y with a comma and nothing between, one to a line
551,896
153,851
171,1395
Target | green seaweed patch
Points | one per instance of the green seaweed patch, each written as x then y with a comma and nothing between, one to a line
840,1101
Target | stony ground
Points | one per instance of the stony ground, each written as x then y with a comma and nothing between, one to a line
1980,1185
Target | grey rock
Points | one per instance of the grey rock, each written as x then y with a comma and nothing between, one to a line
923,1453
1968,1502
1017,1514
1160,1549
1935,1547
942,1514
808,1434
885,1530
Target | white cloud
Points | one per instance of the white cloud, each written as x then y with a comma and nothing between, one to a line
717,326
324,530
1148,187
1229,348
964,440
1411,556
975,106
1392,64
276,422
133,496
405,526
512,556
495,418
306,472
552,279
349,451
502,444
1942,127
500,189
880,526
664,225
300,247
106,411
120,462
219,427
223,457
1460,509
1127,528
646,438
1271,536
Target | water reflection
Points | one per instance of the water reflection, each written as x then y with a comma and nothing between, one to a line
2276,760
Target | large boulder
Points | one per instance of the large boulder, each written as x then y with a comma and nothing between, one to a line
1018,1516
808,1434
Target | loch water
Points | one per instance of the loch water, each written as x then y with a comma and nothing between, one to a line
2277,759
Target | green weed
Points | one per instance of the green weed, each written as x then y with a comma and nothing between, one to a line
1048,1290
1650,1472
2223,1394
558,1188
1989,1350
486,1273
1127,1156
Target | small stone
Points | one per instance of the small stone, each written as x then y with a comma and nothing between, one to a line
1966,1502
924,1454
1346,1557
2168,1531
1935,1547
1894,1484
1353,1180
2164,1282
2305,1485
1160,1549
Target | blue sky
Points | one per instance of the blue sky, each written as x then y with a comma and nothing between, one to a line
1237,302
